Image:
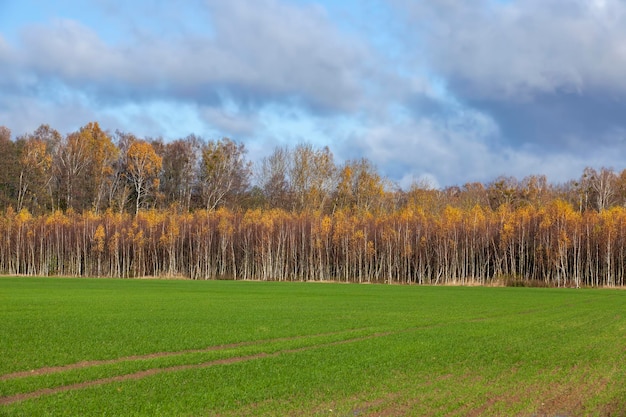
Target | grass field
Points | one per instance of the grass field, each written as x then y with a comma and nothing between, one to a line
188,348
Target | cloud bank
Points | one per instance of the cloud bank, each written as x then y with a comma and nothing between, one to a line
450,91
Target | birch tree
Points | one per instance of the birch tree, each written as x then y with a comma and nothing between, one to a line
143,168
312,177
224,173
179,175
273,177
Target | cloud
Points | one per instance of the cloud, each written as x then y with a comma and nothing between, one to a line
463,145
23,114
450,91
515,50
255,52
290,50
443,150
230,121
69,52
550,72
4,49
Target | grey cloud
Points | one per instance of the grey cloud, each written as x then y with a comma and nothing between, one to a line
24,114
446,150
514,50
4,49
235,123
260,51
550,72
68,50
554,121
291,49
451,152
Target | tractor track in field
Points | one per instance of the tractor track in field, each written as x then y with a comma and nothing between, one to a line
48,370
87,364
10,399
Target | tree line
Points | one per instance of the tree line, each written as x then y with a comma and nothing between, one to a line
91,203
91,169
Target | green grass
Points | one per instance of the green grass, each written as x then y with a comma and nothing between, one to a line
250,348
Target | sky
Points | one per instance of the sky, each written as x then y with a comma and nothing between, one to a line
443,92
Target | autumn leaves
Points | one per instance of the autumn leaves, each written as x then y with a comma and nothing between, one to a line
89,204
554,245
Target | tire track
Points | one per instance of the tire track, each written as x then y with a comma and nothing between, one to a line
92,363
10,399
87,364
155,371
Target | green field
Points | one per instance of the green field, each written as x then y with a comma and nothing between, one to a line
191,348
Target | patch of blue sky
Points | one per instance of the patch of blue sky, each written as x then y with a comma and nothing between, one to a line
373,20
112,20
54,91
17,16
289,126
14,14
165,18
395,43
169,120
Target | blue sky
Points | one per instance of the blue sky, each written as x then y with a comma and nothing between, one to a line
445,91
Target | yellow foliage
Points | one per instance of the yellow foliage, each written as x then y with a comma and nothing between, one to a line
57,218
23,216
98,239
